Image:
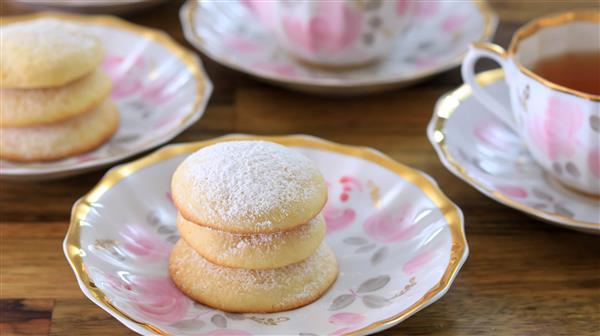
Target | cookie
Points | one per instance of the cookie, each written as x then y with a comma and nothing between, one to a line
254,251
248,187
57,141
46,53
25,108
252,291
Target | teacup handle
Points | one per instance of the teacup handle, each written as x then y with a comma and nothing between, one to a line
496,53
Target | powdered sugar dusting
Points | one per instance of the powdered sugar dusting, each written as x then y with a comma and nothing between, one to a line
49,34
256,181
312,272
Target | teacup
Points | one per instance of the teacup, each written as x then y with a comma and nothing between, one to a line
334,33
559,125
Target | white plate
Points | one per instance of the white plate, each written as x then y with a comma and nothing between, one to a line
474,145
227,32
91,6
160,89
399,242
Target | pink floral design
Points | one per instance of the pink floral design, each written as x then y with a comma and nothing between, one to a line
241,44
555,133
418,261
142,243
337,218
453,22
125,74
594,161
155,298
425,8
128,74
281,69
494,134
513,191
346,319
390,225
334,27
343,331
225,332
402,7
263,10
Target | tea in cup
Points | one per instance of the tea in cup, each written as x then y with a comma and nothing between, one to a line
552,69
334,32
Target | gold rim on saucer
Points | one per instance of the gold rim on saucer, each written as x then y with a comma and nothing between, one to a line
188,20
446,105
452,215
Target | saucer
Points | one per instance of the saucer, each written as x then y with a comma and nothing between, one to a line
475,146
92,7
228,32
159,87
398,239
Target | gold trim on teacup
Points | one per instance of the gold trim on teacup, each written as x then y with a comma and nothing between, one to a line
325,86
444,109
85,205
545,22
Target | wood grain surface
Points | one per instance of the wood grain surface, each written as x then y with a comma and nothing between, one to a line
523,276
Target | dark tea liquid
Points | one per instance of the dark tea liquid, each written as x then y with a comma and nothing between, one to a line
578,71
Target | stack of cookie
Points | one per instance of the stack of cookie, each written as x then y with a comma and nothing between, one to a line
54,97
251,228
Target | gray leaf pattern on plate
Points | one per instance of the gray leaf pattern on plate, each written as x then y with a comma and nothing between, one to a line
342,301
373,284
375,301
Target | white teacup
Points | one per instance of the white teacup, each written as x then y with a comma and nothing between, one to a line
334,32
560,126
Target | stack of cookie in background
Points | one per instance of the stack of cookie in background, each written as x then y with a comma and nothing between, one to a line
251,228
54,100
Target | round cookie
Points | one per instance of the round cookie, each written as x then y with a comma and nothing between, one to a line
24,108
254,251
46,53
57,141
248,187
252,291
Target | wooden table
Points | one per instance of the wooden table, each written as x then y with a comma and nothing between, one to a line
523,277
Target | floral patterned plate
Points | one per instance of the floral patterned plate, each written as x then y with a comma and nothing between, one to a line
399,242
159,87
229,33
474,145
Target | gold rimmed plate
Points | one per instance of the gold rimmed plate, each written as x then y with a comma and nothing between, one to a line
229,33
159,87
398,239
476,146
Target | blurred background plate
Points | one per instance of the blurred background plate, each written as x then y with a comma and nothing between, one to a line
90,6
159,87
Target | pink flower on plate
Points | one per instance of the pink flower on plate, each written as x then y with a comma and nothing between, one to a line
337,218
594,161
425,8
140,242
402,7
513,191
155,298
346,319
263,10
419,261
343,331
493,133
242,44
555,132
125,74
225,332
453,22
390,225
281,69
334,27
160,90
159,299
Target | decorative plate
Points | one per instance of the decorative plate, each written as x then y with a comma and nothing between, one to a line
159,87
228,32
399,242
92,7
474,145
